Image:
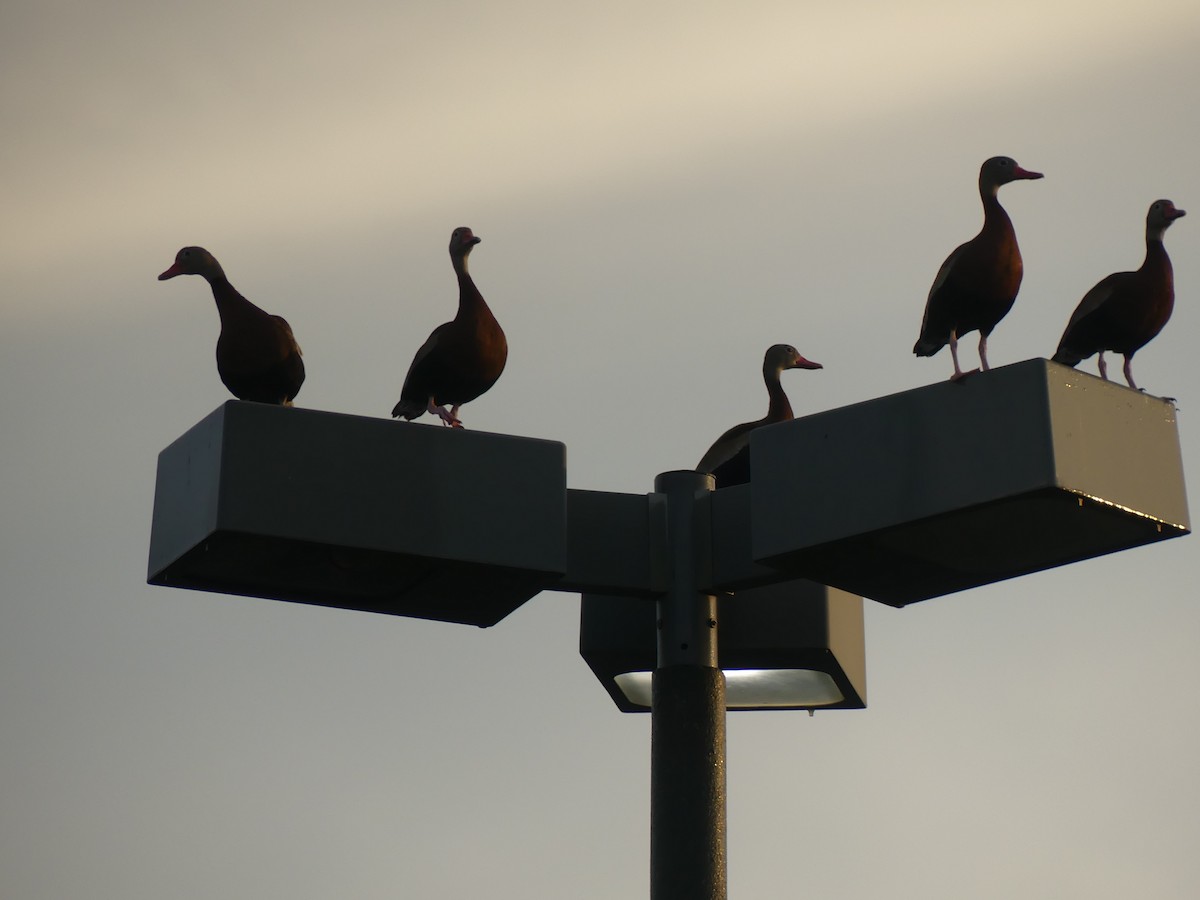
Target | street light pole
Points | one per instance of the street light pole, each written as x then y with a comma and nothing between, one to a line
687,752
942,488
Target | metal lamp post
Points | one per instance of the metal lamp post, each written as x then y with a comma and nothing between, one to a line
898,499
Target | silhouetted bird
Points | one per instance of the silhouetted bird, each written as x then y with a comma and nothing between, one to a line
461,359
257,354
1127,309
728,459
978,283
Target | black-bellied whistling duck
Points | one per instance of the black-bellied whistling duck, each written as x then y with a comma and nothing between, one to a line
257,354
1127,309
462,358
977,284
728,459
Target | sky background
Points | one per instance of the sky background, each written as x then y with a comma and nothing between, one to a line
663,190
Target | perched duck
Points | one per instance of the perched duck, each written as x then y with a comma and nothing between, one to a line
977,284
257,355
728,460
461,359
1127,309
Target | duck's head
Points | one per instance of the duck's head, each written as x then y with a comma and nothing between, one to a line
1001,170
193,261
1162,213
461,241
785,356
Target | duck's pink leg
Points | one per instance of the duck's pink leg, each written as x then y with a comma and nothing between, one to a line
959,374
446,415
1129,374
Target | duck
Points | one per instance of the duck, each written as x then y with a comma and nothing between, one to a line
1126,310
728,459
258,358
461,359
978,283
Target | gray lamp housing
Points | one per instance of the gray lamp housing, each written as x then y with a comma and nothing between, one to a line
359,513
955,485
790,627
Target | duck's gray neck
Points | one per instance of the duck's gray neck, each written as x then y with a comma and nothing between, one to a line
213,272
468,293
459,261
779,409
1155,233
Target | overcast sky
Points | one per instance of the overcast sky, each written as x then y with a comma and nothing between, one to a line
663,190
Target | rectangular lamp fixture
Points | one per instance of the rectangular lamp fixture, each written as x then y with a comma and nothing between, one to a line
955,485
360,513
791,645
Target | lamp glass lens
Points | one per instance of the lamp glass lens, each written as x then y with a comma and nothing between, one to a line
752,688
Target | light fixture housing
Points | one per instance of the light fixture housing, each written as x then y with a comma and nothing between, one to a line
359,513
791,645
955,485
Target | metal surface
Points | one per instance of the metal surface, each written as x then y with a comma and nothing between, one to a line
733,563
617,543
687,754
687,785
687,631
359,513
955,485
